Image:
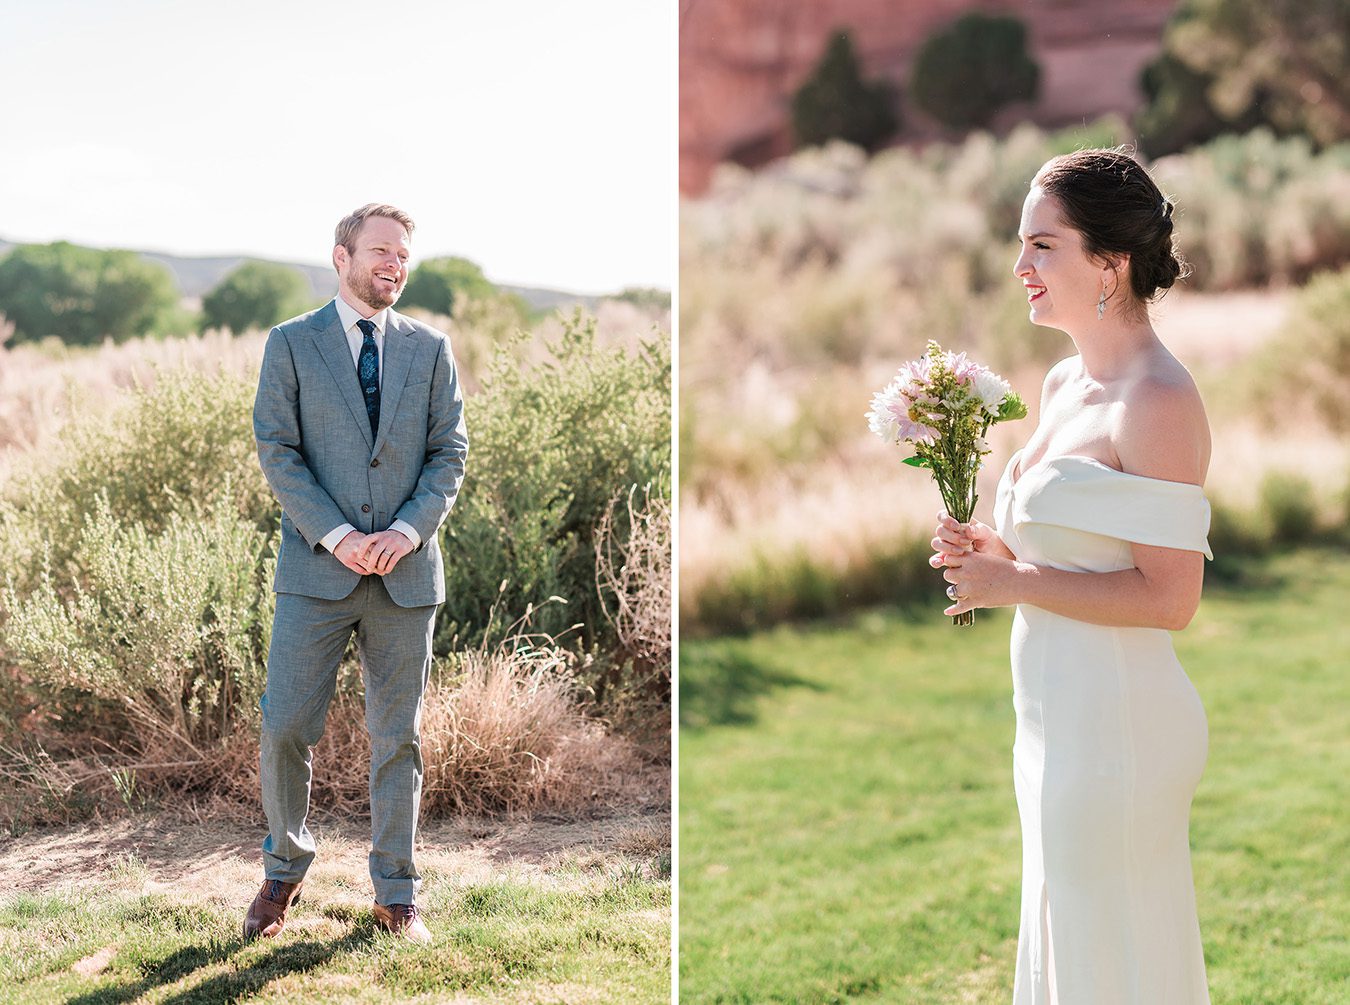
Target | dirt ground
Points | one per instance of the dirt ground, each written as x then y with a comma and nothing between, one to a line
220,859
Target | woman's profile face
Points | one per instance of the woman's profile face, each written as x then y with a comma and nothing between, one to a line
1062,283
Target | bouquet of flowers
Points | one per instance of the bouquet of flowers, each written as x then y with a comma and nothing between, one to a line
944,403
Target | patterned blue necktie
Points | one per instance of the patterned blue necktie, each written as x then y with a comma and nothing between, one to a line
368,371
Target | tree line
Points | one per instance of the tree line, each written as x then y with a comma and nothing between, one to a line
1225,66
85,295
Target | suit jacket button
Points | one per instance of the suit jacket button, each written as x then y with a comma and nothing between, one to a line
375,463
365,509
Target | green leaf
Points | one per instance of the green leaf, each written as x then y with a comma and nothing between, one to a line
918,462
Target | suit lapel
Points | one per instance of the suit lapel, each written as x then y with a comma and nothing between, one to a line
398,353
331,341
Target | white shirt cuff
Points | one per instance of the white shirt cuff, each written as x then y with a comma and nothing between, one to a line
406,529
334,537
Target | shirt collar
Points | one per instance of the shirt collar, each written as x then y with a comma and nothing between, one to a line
349,316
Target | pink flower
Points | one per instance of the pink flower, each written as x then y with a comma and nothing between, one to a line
909,431
916,374
962,367
892,417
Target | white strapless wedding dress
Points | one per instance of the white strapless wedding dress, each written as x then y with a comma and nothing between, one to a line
1111,742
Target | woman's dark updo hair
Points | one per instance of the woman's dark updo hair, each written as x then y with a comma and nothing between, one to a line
1108,197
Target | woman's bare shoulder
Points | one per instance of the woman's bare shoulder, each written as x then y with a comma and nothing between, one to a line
1060,374
1162,430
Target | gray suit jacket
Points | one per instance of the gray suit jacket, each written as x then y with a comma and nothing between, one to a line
316,451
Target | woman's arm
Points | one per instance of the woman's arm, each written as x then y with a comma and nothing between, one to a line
1162,591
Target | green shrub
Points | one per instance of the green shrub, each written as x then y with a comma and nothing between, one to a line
551,443
166,449
772,589
1288,512
256,295
1256,209
1309,361
169,627
835,103
1289,507
137,599
966,72
83,295
1235,533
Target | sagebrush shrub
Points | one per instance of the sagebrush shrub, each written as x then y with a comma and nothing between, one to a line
1258,209
171,448
1305,370
551,442
171,626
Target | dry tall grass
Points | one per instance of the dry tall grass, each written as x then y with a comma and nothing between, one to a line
505,730
510,736
43,384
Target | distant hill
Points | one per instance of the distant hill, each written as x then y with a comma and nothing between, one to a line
197,276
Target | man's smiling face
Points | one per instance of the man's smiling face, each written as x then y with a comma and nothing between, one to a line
376,269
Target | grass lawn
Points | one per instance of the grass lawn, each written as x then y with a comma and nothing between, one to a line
848,830
524,912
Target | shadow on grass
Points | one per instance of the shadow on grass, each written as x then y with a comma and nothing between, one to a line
235,985
795,587
720,685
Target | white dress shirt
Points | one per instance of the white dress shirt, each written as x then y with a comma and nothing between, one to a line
349,315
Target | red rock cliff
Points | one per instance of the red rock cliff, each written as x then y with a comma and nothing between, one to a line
740,61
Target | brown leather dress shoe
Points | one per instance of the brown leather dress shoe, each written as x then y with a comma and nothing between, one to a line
267,914
403,920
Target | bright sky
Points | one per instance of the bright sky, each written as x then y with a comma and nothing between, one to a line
536,137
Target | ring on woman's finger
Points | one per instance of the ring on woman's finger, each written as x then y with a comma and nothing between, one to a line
952,594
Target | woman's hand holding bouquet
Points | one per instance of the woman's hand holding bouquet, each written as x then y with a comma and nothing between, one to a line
943,404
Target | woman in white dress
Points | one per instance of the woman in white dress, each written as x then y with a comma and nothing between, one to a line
1100,542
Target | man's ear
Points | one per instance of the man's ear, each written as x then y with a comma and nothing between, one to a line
340,256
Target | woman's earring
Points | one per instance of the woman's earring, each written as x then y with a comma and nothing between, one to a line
1101,304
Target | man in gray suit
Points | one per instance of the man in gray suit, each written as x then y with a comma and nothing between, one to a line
360,430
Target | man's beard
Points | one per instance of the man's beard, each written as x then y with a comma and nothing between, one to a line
363,285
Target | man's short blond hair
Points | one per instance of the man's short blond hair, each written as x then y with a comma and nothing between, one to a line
350,225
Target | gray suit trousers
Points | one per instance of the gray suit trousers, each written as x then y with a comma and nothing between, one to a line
309,637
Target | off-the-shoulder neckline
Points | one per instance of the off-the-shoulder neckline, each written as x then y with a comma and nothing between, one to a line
1015,477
